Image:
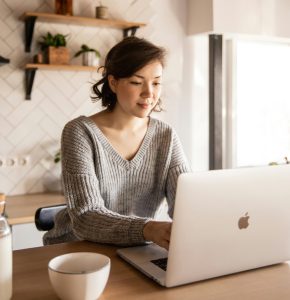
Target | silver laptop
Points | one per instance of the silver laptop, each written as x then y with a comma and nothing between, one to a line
224,221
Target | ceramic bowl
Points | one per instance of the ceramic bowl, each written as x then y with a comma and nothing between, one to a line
80,275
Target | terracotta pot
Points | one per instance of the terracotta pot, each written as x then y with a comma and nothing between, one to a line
58,56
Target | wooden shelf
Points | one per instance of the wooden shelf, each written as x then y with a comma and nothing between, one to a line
48,17
129,28
30,70
60,67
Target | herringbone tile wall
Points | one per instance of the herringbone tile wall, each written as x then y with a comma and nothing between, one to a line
33,128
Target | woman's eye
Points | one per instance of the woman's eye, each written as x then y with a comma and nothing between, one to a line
135,82
157,83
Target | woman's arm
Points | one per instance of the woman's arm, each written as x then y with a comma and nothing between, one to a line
178,165
159,232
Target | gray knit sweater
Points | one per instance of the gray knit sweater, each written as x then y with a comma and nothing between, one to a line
110,199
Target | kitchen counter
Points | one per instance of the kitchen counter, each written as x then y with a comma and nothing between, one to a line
21,209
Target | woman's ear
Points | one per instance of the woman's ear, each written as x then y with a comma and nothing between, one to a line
112,83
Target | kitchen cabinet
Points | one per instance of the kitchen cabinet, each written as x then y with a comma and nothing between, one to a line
20,212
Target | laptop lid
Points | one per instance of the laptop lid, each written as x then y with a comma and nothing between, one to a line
224,221
228,221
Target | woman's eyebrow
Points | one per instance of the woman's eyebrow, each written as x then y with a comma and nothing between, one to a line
140,76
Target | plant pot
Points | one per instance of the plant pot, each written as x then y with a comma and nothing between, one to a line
90,59
58,56
64,7
102,12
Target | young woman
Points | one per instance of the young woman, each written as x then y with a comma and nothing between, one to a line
120,164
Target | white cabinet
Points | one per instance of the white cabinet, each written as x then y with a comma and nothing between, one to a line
254,17
26,236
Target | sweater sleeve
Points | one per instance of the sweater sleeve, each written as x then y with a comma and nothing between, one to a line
90,219
178,165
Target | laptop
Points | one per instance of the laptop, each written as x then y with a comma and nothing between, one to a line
224,221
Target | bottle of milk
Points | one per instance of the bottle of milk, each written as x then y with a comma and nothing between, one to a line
5,254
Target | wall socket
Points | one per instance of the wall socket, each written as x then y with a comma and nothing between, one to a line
14,161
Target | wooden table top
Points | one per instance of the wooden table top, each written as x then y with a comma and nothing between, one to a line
21,209
30,279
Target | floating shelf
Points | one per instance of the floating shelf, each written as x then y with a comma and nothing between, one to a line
30,70
129,28
60,67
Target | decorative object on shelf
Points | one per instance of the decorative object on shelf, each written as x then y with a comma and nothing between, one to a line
90,56
101,11
38,58
64,7
54,49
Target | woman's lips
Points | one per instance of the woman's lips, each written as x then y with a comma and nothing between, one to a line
144,105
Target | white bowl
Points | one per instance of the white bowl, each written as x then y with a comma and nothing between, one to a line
80,275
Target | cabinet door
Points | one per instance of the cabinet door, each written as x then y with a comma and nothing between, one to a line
26,236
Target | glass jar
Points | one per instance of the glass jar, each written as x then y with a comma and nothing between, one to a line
5,254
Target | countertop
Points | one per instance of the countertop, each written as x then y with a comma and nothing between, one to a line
21,209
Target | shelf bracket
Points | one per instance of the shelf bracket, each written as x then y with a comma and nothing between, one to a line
131,31
29,78
29,28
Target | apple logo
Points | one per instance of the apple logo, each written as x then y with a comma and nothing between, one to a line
244,221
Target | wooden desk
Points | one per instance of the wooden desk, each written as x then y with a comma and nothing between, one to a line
31,279
21,209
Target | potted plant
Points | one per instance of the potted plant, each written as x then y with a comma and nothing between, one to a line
90,56
54,49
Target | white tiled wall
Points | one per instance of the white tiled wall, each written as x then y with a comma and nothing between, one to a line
33,128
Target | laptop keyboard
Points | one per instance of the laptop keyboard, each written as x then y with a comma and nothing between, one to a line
161,263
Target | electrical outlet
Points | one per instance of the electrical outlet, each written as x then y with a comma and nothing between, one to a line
23,161
10,162
14,161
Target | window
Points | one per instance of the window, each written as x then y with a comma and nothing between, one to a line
258,124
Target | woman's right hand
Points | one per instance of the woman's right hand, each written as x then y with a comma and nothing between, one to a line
158,232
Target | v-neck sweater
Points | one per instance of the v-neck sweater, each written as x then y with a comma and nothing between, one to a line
110,199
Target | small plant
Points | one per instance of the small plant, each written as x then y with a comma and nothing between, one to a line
85,48
58,40
57,157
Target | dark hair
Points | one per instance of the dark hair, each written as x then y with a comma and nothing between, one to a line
122,61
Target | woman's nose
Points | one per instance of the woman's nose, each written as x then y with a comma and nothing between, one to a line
147,91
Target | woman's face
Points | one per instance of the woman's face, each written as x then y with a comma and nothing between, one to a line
137,95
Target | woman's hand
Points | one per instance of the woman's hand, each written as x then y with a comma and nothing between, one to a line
158,232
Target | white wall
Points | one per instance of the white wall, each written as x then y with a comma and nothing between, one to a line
33,127
195,112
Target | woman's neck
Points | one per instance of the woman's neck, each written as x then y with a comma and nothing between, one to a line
118,120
